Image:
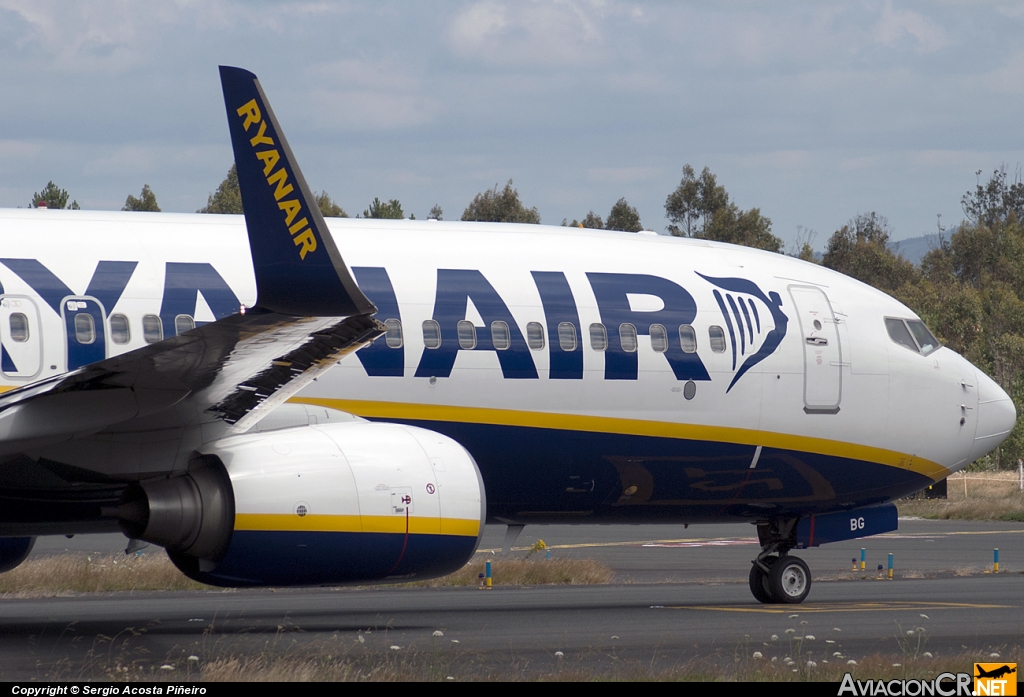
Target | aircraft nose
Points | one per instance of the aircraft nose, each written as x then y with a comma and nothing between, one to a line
996,416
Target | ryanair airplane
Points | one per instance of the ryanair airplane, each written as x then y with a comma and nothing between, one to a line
279,401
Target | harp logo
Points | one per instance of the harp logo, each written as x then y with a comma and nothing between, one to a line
755,322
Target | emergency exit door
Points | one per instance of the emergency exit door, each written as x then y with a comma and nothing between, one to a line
819,334
84,330
21,338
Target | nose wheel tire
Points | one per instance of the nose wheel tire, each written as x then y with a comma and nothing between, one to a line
789,580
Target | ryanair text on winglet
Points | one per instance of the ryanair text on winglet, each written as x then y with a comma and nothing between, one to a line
302,234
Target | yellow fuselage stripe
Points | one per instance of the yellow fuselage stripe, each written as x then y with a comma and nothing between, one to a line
631,427
356,523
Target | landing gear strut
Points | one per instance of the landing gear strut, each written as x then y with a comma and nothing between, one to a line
776,576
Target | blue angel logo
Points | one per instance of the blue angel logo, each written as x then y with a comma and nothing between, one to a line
756,341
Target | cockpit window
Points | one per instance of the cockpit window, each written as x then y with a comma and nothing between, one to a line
911,334
925,339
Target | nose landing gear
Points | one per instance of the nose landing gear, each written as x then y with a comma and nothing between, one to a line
776,576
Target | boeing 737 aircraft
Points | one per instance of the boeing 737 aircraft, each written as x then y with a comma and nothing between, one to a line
279,401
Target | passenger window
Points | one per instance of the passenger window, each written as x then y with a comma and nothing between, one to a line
716,337
627,337
598,337
393,337
431,334
501,339
688,338
152,329
535,335
899,333
85,328
567,336
120,332
467,334
659,338
925,339
19,326
183,323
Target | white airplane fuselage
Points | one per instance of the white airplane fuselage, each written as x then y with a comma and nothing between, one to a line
595,376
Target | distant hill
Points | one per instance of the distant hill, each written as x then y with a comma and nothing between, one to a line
913,249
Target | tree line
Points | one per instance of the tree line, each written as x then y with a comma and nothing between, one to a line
699,207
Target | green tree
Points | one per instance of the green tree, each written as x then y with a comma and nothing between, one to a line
861,249
503,206
623,217
378,209
996,201
591,220
145,202
802,248
328,208
436,213
693,203
227,198
52,196
700,207
747,228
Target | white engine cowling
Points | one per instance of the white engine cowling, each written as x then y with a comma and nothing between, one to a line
339,503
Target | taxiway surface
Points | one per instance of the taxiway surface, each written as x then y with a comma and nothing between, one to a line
678,594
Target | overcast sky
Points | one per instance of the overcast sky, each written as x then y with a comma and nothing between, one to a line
812,112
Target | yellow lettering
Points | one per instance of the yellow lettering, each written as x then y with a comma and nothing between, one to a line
291,208
260,138
307,241
251,112
297,226
270,158
280,179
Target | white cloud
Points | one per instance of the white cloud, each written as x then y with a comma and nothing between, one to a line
553,33
895,27
621,175
17,150
351,72
779,159
371,110
862,162
1009,77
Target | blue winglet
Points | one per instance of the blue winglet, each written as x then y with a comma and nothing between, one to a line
299,270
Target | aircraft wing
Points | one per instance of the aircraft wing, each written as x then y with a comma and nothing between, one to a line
144,412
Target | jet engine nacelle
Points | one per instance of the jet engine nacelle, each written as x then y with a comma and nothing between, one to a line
340,503
14,550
